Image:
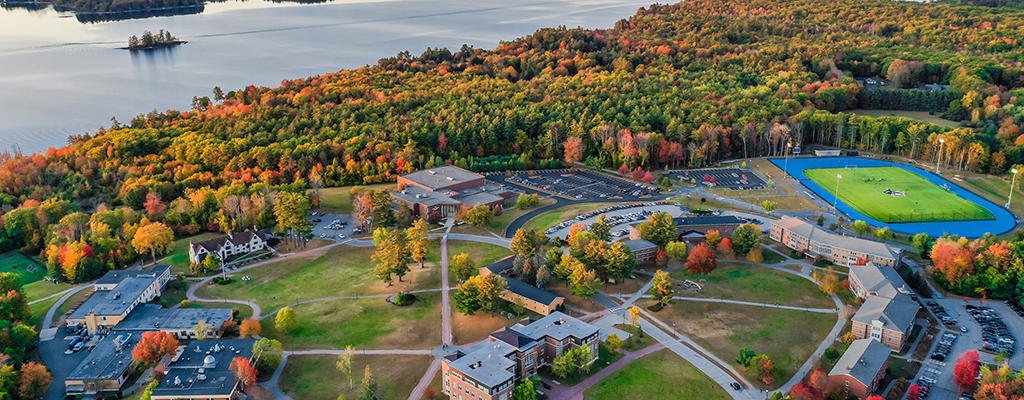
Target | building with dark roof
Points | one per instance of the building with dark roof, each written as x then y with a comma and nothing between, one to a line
117,294
643,250
889,309
180,322
838,249
105,369
533,298
693,228
860,368
443,190
490,369
202,370
227,246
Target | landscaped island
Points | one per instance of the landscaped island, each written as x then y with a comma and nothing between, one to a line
149,41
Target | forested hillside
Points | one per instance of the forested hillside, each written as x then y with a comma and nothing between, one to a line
672,86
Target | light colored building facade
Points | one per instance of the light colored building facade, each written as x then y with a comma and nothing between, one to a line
227,246
531,297
445,189
860,368
117,294
842,250
888,312
490,369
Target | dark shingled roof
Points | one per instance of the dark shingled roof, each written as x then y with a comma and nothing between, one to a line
707,220
214,244
530,292
513,338
501,266
116,276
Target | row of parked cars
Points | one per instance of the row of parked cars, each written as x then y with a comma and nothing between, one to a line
615,220
995,336
941,313
925,383
1015,306
944,347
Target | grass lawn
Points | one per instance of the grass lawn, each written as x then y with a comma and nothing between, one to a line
336,200
635,342
363,323
550,218
924,202
40,289
499,223
314,377
604,359
19,264
693,202
481,253
745,282
771,257
659,375
468,329
178,257
788,337
288,246
922,116
39,311
72,303
338,271
766,169
995,189
784,203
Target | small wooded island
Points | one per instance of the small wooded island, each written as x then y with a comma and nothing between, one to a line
150,41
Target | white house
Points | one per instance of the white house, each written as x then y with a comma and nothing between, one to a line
227,246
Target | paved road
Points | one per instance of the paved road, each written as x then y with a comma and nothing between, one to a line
506,243
559,392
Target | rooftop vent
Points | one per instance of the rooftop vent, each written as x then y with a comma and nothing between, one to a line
431,172
450,178
201,377
177,381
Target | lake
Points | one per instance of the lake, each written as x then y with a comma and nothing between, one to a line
59,76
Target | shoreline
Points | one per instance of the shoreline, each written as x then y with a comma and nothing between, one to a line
155,46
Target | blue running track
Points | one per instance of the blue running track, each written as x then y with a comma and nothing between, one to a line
1004,222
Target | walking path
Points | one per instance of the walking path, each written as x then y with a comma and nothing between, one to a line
47,333
559,392
751,303
446,320
271,384
53,295
369,296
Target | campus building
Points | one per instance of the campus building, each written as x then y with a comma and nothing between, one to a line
490,369
860,368
533,298
117,294
180,322
842,250
105,369
227,246
201,370
643,250
693,229
445,189
889,309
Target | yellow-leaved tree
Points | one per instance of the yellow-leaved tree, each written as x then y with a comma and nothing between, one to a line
154,238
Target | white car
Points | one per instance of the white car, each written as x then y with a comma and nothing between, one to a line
341,236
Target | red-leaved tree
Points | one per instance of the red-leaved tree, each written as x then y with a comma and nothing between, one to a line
914,392
244,371
154,205
952,259
574,149
804,391
965,373
153,347
875,398
623,170
819,380
701,260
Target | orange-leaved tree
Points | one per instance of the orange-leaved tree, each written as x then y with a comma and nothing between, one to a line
701,260
250,327
153,347
244,371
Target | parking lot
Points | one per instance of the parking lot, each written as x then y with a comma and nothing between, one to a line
329,226
968,326
621,216
721,178
581,185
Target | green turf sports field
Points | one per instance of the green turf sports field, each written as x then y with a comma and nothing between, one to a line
19,264
924,201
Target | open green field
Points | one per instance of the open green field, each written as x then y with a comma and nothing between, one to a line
178,257
659,375
862,189
746,282
39,311
314,377
788,337
41,289
28,270
361,323
500,222
336,200
995,189
922,116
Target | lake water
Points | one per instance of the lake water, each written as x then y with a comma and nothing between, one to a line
59,76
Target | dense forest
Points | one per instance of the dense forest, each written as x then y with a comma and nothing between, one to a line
676,86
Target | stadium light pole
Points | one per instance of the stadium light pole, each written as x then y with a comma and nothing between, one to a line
835,203
786,169
1009,199
939,160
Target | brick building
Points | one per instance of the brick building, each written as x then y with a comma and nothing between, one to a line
860,369
842,250
490,369
692,229
643,250
533,298
447,188
889,308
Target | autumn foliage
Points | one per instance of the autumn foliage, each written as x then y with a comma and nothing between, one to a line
244,371
701,260
250,327
965,372
153,347
952,259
